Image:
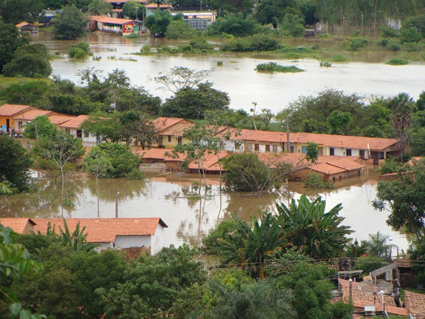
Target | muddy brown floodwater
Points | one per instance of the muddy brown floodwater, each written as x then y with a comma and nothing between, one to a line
189,218
368,77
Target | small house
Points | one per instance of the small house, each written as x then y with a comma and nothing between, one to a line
21,120
73,127
8,112
115,25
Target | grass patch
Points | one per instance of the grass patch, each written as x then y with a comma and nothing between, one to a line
339,58
274,67
8,81
397,61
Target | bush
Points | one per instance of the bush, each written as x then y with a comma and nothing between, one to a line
136,174
122,160
254,43
390,32
201,44
29,65
356,43
76,53
394,45
339,58
410,35
413,47
146,49
325,64
179,30
397,61
274,67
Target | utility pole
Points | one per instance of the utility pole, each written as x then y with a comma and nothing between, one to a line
253,117
116,203
288,147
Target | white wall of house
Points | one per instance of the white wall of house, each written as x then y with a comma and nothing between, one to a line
157,240
132,241
87,138
103,246
342,151
230,146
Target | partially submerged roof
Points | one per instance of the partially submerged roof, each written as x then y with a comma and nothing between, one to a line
22,24
13,109
75,122
154,153
104,230
31,115
18,225
274,159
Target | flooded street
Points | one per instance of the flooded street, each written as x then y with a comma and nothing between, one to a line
237,76
189,218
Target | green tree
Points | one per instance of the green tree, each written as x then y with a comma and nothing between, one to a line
97,164
272,11
60,150
29,65
237,25
312,292
153,284
312,230
31,93
99,7
248,246
181,78
105,126
129,10
191,103
138,128
158,22
179,30
70,24
246,173
122,160
338,122
10,40
292,25
15,163
401,114
378,245
21,10
312,152
404,199
41,126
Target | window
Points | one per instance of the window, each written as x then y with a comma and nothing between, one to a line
304,149
362,153
268,148
179,140
320,150
331,151
250,147
348,151
291,149
237,146
275,150
169,138
257,147
20,124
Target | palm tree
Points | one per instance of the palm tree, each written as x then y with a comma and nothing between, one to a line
378,245
309,228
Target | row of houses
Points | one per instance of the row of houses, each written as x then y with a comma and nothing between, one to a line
14,118
113,233
171,132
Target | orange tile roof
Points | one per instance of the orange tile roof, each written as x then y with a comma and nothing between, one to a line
22,24
60,119
345,162
106,19
415,303
124,1
74,122
153,153
17,224
176,130
326,168
273,159
31,115
343,141
162,123
210,160
12,109
154,5
104,230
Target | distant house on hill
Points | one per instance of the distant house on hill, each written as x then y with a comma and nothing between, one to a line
7,112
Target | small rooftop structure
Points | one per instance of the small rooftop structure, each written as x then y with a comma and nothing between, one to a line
18,225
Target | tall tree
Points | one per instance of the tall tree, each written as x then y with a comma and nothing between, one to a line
129,10
15,163
70,24
312,152
180,78
378,245
401,115
10,40
21,10
99,7
60,151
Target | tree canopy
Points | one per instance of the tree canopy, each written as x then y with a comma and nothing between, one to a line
10,40
70,24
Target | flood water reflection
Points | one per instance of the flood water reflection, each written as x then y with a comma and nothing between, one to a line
189,217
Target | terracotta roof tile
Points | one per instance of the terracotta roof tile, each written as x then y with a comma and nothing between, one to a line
415,303
176,130
17,224
12,109
101,230
162,123
75,122
273,159
153,153
60,119
210,161
31,115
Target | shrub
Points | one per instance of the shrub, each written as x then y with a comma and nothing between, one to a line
397,61
136,174
413,47
201,44
146,49
76,53
179,30
325,64
274,67
339,58
254,43
394,45
356,43
219,63
83,46
410,35
390,32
